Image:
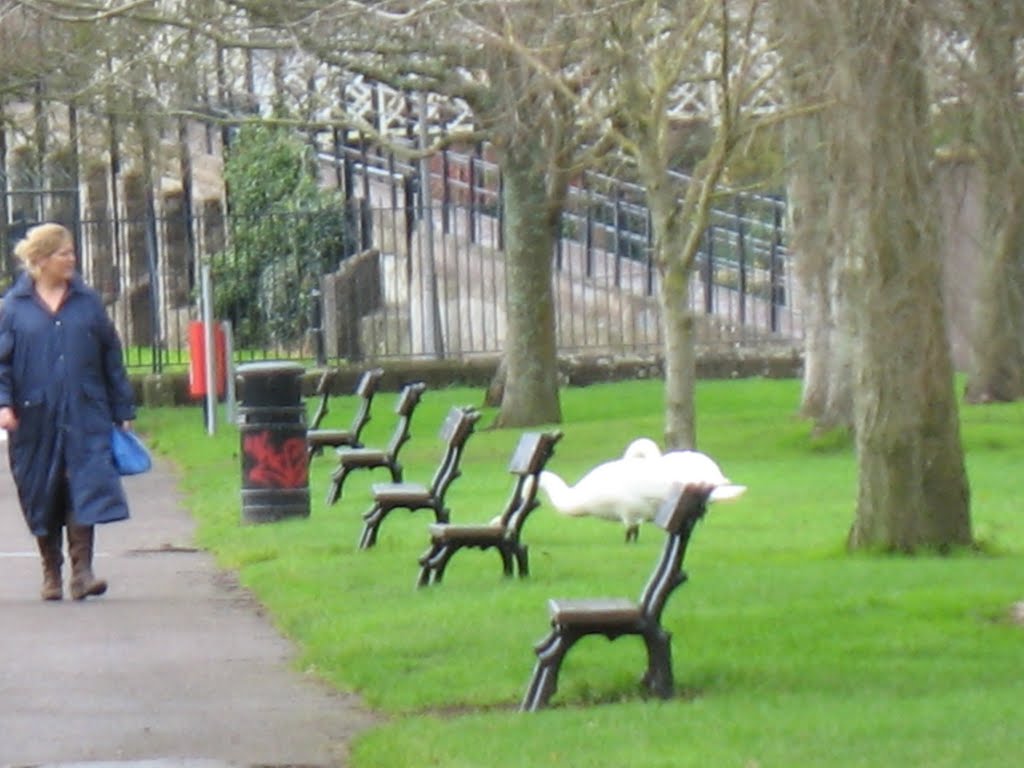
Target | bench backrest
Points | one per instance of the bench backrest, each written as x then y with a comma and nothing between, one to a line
366,388
528,460
408,399
678,516
323,389
456,430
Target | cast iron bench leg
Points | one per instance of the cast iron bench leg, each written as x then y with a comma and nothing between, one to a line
432,563
522,554
337,481
550,652
506,561
371,525
658,678
442,561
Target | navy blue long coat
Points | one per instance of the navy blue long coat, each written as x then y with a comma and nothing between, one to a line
63,374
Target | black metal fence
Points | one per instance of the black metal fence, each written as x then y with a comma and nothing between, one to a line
386,275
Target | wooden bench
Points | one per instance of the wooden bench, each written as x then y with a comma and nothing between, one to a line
615,617
455,432
504,533
319,438
351,459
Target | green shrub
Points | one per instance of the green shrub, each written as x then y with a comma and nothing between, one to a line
285,233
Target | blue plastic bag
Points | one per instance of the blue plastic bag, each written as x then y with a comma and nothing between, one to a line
130,455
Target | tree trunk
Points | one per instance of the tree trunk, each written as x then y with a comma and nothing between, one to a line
912,484
530,395
827,382
814,205
680,359
828,351
676,229
496,389
997,365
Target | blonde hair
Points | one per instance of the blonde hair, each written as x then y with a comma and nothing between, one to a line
39,243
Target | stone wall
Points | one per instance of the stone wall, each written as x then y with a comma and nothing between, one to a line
350,294
575,371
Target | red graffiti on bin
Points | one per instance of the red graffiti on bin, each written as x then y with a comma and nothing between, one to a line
277,466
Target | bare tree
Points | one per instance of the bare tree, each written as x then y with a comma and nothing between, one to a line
459,50
643,53
988,116
473,51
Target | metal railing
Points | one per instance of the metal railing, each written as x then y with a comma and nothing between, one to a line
437,277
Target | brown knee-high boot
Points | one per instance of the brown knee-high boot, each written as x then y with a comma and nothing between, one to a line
53,559
80,543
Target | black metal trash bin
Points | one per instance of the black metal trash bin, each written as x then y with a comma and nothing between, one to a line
272,423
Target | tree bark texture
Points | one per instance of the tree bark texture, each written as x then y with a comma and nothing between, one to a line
676,228
912,485
815,209
531,361
827,396
997,365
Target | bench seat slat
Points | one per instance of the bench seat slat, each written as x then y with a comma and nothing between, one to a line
593,611
402,492
364,457
484,533
324,437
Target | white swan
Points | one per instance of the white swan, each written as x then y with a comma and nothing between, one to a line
696,467
642,448
632,488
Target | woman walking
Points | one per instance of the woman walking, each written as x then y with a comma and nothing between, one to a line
63,386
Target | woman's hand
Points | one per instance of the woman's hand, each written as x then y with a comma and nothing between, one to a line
8,420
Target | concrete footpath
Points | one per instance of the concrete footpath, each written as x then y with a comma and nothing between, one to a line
174,667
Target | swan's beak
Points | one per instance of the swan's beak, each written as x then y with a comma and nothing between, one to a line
727,492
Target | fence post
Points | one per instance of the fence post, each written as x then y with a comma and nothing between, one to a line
391,180
409,203
76,170
209,351
618,232
472,199
446,194
339,155
8,265
588,236
366,165
152,253
709,269
316,326
741,246
649,288
433,330
230,402
365,224
501,211
347,174
775,290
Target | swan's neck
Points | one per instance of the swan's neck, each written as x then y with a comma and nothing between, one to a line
559,494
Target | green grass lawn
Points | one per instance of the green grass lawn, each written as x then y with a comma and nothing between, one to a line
787,651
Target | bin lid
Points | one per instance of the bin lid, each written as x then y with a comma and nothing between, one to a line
270,368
